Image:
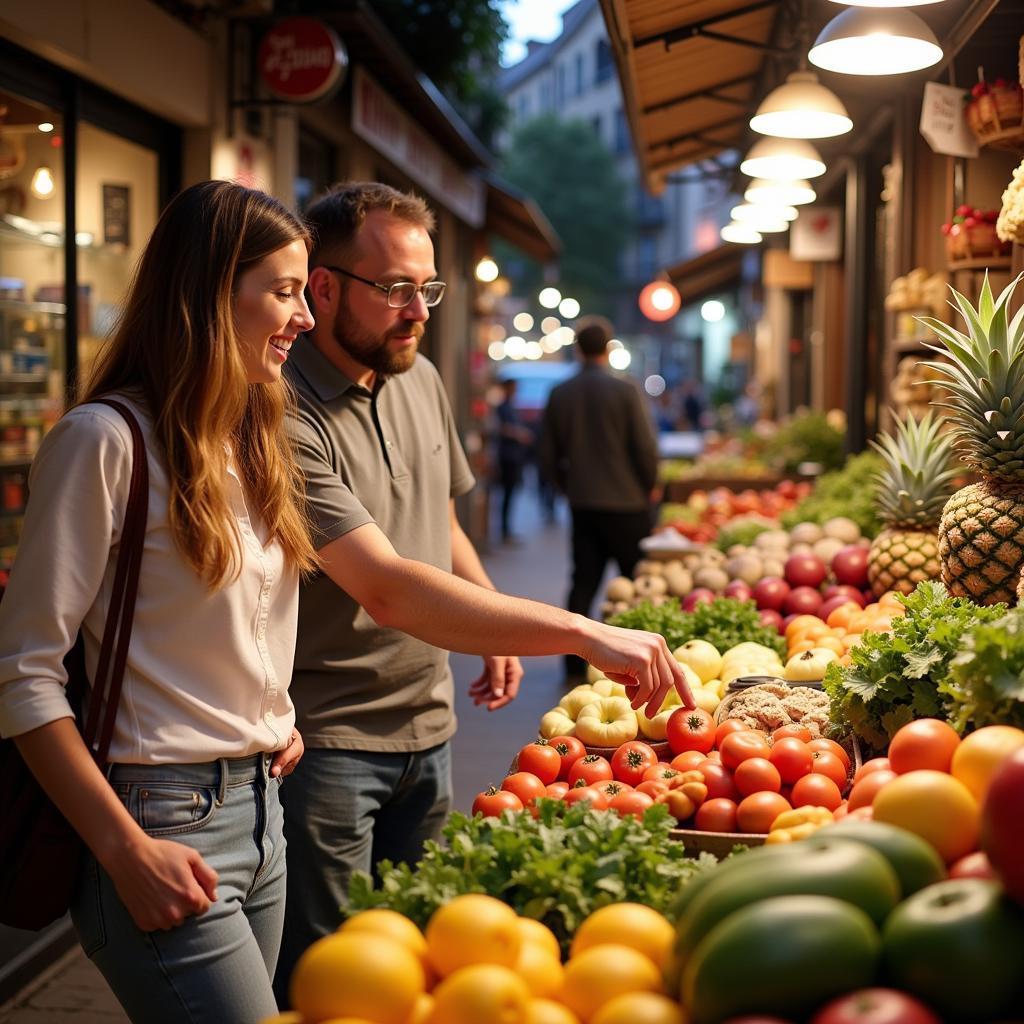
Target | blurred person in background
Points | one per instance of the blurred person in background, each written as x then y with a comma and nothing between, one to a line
597,444
513,451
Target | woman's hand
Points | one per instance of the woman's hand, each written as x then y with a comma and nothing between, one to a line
285,760
162,882
640,661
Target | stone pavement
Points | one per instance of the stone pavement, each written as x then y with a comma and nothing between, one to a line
71,991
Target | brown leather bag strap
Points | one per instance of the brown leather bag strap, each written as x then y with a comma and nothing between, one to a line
106,687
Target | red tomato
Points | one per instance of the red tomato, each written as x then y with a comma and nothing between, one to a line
598,801
716,815
631,760
824,762
728,726
864,792
541,760
924,743
661,772
570,749
757,812
525,785
687,760
842,810
714,755
876,764
792,757
800,732
816,791
652,789
757,775
491,802
591,768
720,781
613,788
631,804
875,1006
557,790
832,747
739,746
690,729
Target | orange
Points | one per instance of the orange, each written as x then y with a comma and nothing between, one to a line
981,753
830,643
473,929
599,974
936,806
800,646
392,925
628,924
639,1008
540,934
841,616
800,623
423,1009
547,1011
481,992
924,743
541,971
357,975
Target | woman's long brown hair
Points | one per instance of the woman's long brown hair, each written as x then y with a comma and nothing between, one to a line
176,344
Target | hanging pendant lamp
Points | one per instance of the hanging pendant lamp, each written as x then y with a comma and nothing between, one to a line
886,3
801,108
766,192
782,158
741,234
875,41
756,214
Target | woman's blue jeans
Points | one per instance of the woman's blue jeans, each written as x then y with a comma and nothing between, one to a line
215,967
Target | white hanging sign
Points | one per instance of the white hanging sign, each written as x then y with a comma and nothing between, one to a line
943,124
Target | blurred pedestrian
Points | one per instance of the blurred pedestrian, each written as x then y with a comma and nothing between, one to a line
514,441
599,447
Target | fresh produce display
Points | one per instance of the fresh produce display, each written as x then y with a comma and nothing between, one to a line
848,492
896,676
912,489
972,232
919,291
981,533
808,437
1010,225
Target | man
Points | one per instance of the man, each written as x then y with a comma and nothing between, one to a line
514,442
377,443
598,446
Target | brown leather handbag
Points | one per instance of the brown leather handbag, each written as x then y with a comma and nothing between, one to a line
40,853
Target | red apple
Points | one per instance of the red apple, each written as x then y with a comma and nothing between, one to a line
770,617
771,592
1002,824
700,595
803,601
850,566
805,571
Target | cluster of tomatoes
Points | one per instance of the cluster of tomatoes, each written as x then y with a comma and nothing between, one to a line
724,778
707,511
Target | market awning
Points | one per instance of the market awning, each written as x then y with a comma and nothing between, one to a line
515,217
710,272
689,73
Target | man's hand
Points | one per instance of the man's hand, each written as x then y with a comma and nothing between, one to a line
498,684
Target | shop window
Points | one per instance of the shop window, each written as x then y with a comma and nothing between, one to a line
316,168
605,65
623,140
117,204
580,71
560,86
32,309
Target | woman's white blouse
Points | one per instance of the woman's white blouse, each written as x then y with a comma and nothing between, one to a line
208,671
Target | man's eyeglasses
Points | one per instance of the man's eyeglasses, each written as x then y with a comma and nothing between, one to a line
401,293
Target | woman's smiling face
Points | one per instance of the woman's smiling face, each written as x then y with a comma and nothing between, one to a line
270,311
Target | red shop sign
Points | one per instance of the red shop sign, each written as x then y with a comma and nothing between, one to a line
301,59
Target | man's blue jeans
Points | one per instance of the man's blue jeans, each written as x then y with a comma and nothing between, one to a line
346,810
215,967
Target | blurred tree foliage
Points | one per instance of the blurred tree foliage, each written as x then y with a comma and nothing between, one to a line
566,168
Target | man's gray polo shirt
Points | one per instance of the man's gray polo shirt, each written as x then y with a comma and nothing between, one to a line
391,457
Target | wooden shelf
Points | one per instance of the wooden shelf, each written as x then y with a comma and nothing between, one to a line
980,263
1008,139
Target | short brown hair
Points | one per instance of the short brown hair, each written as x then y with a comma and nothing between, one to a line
593,334
336,217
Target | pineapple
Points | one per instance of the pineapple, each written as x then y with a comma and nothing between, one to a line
981,532
913,486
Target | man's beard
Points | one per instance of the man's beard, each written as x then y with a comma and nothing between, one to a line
371,350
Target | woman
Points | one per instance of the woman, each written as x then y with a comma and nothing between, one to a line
181,899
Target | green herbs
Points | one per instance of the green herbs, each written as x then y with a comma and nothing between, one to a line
558,868
741,531
849,492
723,622
807,437
898,676
985,685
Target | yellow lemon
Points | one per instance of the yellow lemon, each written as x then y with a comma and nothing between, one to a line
533,930
639,1008
357,975
473,929
547,1011
627,924
393,925
599,974
540,970
481,993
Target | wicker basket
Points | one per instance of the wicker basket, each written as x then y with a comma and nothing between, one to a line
977,242
1000,112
